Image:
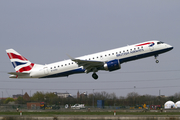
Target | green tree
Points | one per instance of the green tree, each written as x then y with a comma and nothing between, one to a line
132,98
51,98
8,100
2,101
38,97
176,97
20,100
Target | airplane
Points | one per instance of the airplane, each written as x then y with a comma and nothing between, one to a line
110,60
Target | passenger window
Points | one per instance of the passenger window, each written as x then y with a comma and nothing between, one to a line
134,48
65,64
109,54
112,53
61,65
69,63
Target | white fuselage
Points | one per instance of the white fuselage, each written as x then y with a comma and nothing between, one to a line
123,54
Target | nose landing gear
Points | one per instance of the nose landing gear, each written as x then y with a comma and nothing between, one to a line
157,61
95,76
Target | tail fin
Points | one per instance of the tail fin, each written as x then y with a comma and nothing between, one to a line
20,63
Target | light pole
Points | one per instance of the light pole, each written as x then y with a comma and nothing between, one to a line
134,88
93,98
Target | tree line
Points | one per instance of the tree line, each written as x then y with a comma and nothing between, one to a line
110,99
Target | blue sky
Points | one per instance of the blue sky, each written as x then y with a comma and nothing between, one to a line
45,31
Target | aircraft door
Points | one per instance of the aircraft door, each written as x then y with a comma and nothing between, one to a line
151,48
46,72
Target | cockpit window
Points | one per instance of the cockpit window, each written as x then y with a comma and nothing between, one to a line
160,42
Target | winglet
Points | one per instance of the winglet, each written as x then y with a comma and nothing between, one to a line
70,57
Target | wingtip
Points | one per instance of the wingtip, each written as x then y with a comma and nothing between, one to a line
70,57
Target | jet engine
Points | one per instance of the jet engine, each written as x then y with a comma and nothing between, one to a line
112,65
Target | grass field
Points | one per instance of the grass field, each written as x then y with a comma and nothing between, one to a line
89,113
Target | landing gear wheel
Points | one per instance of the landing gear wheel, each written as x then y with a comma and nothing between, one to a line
95,76
157,61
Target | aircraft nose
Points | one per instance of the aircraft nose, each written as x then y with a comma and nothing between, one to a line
170,47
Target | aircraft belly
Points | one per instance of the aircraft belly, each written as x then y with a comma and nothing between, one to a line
65,73
36,74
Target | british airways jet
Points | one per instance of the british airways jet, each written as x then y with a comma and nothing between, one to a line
110,60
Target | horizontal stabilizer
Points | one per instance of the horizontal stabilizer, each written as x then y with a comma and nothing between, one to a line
18,73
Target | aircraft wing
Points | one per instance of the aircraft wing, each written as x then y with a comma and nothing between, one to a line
88,65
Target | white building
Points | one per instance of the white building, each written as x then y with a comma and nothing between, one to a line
169,105
177,104
63,95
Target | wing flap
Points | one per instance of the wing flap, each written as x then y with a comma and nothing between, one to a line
87,62
88,65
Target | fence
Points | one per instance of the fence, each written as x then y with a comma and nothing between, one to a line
12,107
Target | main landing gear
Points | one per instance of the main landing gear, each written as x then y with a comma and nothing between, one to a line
157,61
95,76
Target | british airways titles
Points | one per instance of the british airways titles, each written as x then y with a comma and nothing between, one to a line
132,51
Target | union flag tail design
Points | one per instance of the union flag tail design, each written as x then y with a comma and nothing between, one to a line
20,63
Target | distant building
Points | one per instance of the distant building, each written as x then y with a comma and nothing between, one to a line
162,96
169,105
63,95
16,96
82,95
177,104
26,97
33,105
78,95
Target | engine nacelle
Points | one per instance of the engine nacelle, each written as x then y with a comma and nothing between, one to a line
112,65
